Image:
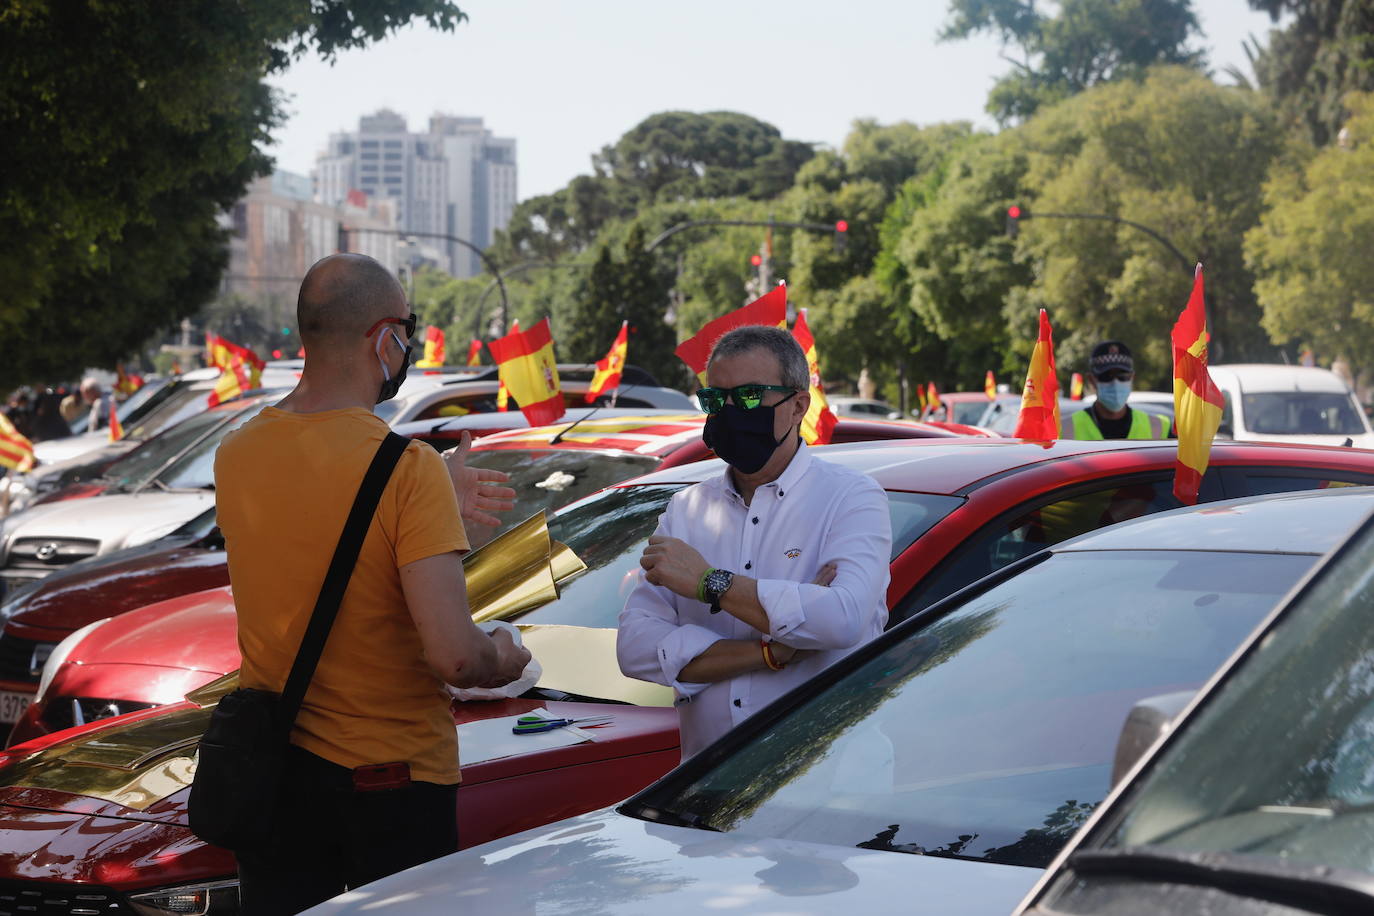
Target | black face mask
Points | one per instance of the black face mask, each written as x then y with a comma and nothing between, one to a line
743,438
392,384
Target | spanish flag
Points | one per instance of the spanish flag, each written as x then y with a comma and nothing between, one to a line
1076,386
819,423
769,309
921,398
434,349
475,352
242,368
502,392
16,451
530,373
116,428
1197,400
223,354
990,386
607,375
1039,418
126,384
932,397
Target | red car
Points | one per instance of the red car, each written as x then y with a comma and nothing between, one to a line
108,798
548,474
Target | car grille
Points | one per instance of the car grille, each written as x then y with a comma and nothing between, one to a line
60,713
47,554
20,657
32,898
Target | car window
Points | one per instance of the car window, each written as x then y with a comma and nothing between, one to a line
140,464
195,470
460,405
1298,790
969,412
989,733
1227,429
1267,482
609,532
183,403
1029,529
549,479
1301,413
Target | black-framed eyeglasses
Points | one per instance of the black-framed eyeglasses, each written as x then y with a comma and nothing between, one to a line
745,396
407,323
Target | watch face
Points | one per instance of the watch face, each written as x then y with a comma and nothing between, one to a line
717,582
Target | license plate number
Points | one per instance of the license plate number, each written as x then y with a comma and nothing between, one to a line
12,705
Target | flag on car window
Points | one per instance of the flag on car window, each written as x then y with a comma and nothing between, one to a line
1039,417
434,349
1197,400
116,428
819,423
126,384
16,451
769,309
932,397
921,398
990,386
475,352
526,365
502,392
242,368
607,375
1076,386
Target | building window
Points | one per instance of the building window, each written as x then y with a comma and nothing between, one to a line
393,144
369,144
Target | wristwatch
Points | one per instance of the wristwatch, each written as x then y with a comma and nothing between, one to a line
718,582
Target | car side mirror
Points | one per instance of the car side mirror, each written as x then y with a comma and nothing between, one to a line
1147,722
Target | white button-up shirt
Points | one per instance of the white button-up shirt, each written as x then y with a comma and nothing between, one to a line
815,513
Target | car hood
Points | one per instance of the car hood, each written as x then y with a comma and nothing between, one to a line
54,450
115,520
607,863
196,632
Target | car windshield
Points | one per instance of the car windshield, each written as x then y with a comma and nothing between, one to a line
990,732
181,403
968,412
195,470
548,479
1305,698
609,532
142,463
1301,413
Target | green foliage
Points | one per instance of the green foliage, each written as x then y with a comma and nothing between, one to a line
1084,43
128,127
1324,52
1310,252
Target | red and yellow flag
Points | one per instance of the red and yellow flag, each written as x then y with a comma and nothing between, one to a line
921,398
434,349
607,375
990,386
242,368
819,423
16,451
176,367
1198,402
126,384
475,352
116,428
502,392
530,373
932,397
1076,386
1039,418
768,309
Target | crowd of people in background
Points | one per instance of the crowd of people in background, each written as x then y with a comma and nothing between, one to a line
41,413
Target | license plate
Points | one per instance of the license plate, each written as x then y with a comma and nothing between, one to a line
12,705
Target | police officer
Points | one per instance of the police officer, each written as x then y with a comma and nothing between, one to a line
1110,372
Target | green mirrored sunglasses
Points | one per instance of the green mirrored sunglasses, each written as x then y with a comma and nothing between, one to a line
745,396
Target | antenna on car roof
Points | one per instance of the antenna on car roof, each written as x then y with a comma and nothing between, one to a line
558,437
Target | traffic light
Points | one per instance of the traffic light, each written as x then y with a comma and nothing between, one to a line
285,332
841,235
756,260
1015,213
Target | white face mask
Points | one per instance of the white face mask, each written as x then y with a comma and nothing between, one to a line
1113,395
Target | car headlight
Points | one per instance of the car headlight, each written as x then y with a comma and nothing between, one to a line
212,898
59,657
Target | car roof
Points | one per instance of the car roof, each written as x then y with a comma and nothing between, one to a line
959,464
1302,521
630,430
1277,377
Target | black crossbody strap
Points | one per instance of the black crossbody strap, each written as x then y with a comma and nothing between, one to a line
336,579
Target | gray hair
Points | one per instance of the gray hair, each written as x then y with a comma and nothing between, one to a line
779,344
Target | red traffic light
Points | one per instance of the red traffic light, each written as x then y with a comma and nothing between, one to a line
756,260
841,226
1014,211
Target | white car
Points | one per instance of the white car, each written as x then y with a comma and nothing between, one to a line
862,408
1278,403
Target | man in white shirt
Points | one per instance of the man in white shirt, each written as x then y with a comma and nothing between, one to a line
733,609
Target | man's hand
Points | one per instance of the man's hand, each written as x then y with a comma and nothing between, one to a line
479,493
510,659
673,564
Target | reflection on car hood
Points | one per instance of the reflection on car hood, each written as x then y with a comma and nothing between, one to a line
611,864
116,520
55,450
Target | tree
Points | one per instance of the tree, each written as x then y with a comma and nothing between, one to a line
1085,43
1325,52
128,129
1310,254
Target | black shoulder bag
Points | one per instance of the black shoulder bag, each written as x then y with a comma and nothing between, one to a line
242,754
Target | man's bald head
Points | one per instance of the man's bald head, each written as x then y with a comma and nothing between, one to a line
342,296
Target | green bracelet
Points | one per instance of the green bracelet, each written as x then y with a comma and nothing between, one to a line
701,586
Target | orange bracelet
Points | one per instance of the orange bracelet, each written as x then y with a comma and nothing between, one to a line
768,658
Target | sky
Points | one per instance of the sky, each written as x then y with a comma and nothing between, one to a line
567,78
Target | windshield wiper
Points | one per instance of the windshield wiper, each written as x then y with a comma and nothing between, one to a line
1263,878
672,818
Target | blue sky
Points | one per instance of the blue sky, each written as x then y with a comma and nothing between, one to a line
565,78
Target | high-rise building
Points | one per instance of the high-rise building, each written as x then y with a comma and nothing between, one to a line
457,179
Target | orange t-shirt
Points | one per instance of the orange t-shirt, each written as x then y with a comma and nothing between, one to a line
284,484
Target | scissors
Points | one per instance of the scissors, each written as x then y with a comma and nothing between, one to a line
530,725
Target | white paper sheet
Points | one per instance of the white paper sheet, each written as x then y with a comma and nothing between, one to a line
491,739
